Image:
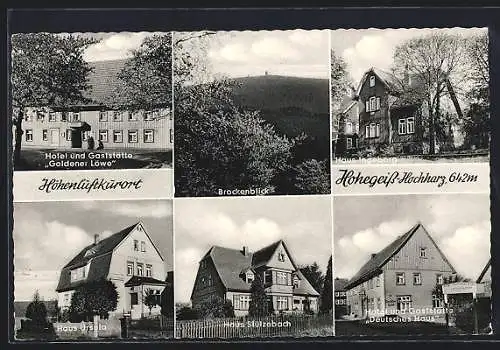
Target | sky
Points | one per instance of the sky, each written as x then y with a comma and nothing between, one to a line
48,234
114,46
251,53
459,224
365,48
304,223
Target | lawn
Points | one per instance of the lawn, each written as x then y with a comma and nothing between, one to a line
357,328
37,159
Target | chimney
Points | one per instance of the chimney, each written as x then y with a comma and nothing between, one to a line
245,250
96,238
373,255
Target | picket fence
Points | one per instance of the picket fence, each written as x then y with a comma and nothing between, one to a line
271,326
158,326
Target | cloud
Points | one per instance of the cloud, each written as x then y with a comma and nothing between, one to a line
115,46
27,282
275,49
152,209
186,260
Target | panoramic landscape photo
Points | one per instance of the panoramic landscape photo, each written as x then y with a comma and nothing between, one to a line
410,95
251,113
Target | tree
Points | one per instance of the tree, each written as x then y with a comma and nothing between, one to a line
340,80
147,76
36,311
93,298
314,275
216,307
48,70
167,300
437,61
310,176
150,299
260,305
326,297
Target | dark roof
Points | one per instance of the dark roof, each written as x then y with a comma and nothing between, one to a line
100,260
340,283
229,264
483,273
104,81
392,82
21,306
373,266
139,280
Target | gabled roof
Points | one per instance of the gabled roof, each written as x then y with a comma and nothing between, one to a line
388,79
231,263
339,284
305,287
99,260
483,273
104,82
374,266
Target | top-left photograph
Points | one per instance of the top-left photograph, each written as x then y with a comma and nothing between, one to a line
91,100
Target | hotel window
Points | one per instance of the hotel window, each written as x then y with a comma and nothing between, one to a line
29,135
209,281
148,270
148,116
149,136
52,117
281,278
402,126
348,127
117,136
373,130
410,125
348,143
45,135
281,256
400,278
372,81
241,302
282,303
136,245
403,302
377,130
439,279
130,268
76,116
140,269
373,104
417,279
103,116
68,134
132,116
64,116
117,116
143,246
437,301
423,252
132,136
367,131
40,116
103,135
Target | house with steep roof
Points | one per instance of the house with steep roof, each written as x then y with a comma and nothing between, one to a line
389,112
129,259
105,118
401,278
228,274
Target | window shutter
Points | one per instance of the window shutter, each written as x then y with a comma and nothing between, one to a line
367,103
273,278
378,103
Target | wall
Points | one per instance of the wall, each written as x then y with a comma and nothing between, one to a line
202,293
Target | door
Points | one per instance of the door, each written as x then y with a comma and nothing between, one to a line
54,137
76,138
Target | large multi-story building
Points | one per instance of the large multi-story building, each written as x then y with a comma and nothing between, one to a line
129,259
229,273
403,278
102,118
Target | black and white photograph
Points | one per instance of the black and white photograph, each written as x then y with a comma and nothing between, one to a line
410,95
91,100
93,270
412,264
253,267
251,113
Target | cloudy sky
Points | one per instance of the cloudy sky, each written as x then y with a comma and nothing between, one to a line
48,234
303,223
365,48
459,223
114,46
293,53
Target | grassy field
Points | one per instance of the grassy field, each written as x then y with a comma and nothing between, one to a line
36,159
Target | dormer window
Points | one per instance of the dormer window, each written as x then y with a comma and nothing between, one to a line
249,276
78,274
89,252
372,81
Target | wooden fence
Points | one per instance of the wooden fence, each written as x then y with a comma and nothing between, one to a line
151,327
272,326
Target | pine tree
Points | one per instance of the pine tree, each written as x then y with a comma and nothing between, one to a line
326,298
